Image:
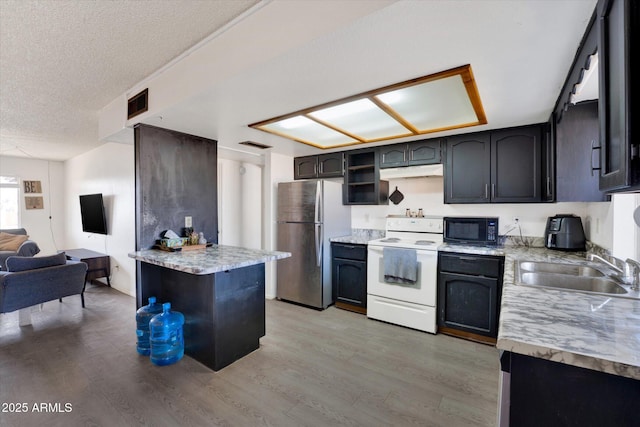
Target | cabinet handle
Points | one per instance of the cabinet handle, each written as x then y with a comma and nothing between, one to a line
486,191
493,191
594,148
548,186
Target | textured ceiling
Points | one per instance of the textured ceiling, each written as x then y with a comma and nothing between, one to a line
62,61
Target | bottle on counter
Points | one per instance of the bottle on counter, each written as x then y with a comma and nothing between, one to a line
143,316
167,339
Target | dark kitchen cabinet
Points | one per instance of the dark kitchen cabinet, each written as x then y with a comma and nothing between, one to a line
549,162
619,94
362,184
576,134
502,166
349,276
549,393
467,168
320,166
425,152
469,292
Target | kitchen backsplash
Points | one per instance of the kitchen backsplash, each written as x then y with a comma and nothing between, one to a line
427,194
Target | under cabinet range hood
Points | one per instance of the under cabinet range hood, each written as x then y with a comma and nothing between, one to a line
411,172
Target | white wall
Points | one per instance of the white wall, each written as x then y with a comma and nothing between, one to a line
45,226
625,232
108,169
239,203
427,193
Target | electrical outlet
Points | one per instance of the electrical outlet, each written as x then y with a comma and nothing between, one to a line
187,221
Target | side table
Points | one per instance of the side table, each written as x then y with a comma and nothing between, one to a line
98,264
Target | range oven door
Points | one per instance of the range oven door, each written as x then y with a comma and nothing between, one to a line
413,306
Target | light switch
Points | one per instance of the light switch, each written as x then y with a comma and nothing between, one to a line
187,221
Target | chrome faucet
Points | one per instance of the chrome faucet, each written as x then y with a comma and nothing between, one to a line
629,273
593,257
634,270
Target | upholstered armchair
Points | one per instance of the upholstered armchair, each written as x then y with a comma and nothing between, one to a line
31,281
15,242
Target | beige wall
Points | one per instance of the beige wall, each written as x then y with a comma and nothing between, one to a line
45,226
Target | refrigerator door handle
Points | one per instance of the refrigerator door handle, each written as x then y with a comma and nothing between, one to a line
318,244
318,202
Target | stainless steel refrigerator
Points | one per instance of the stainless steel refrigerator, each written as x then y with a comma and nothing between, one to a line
310,212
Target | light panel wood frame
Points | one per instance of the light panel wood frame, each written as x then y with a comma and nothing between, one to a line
464,72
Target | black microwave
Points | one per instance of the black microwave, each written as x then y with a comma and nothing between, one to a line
471,230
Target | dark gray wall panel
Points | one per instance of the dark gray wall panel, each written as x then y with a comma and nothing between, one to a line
176,176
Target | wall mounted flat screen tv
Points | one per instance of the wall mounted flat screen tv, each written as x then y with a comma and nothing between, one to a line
92,213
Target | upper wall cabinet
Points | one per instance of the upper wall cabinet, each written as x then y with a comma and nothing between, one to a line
362,184
619,91
576,134
502,166
321,166
425,152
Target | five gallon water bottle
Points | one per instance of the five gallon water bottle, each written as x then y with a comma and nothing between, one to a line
143,316
167,341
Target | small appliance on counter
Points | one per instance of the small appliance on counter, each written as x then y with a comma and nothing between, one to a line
564,232
481,231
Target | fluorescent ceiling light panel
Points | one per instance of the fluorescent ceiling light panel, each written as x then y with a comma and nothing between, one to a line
433,103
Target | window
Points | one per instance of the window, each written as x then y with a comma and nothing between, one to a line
9,202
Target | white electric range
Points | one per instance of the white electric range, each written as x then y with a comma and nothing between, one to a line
407,304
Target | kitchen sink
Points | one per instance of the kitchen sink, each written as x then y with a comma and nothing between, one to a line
577,283
552,267
573,277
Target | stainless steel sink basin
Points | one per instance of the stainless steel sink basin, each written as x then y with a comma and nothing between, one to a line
559,268
573,277
577,283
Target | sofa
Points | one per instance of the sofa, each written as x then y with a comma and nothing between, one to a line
14,243
31,281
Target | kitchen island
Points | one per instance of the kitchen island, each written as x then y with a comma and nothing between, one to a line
221,292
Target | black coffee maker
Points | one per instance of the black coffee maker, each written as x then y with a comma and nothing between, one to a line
564,232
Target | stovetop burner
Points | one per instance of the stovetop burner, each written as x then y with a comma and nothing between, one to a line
390,240
425,242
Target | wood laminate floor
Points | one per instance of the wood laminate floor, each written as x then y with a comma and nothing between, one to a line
313,368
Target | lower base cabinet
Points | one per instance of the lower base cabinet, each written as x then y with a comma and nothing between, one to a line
541,392
469,292
349,276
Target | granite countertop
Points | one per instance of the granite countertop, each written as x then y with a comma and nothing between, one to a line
351,239
210,260
359,236
592,331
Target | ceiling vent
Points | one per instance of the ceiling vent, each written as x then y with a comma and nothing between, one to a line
255,144
138,104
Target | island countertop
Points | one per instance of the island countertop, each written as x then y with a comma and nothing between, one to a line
211,260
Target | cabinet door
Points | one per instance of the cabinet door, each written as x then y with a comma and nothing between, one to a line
423,152
330,165
468,303
350,281
575,134
516,165
467,169
305,167
619,20
549,161
393,156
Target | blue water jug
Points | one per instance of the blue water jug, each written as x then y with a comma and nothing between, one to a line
143,316
167,341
